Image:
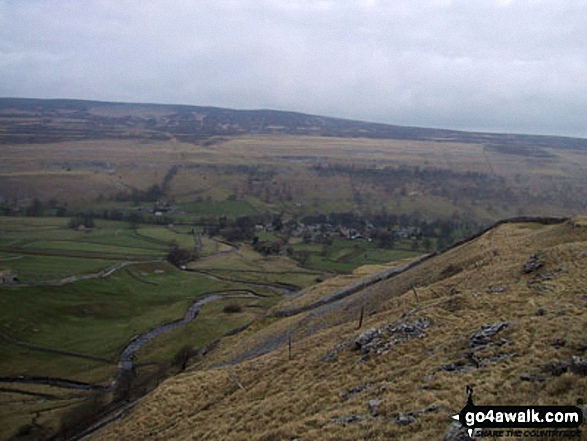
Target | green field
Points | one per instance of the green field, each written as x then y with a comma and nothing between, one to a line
38,268
220,208
98,317
344,255
71,317
165,236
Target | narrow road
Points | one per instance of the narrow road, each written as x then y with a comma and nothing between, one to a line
287,288
60,282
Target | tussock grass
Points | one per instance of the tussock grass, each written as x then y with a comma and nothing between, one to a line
303,397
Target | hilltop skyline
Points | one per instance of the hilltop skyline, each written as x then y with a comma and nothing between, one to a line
510,66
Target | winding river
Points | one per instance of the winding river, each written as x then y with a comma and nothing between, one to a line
126,359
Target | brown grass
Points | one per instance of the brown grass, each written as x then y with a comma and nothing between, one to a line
300,398
109,166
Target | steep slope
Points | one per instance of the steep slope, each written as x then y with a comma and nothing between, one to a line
424,338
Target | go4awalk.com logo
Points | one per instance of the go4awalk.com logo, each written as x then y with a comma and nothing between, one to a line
550,422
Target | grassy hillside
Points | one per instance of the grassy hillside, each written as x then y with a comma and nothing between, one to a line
416,368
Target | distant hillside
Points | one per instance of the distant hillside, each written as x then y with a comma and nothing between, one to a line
504,313
42,121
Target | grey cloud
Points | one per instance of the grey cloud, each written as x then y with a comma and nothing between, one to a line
493,65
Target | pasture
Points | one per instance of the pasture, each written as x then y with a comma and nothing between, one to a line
53,326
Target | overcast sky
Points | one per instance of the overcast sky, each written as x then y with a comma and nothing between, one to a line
490,65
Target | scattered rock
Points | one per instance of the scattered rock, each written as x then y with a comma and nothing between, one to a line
471,362
537,286
414,329
534,263
457,432
433,408
483,336
533,378
498,358
332,354
347,419
482,339
368,341
354,391
578,365
406,418
470,357
582,255
555,368
549,275
373,407
537,282
379,341
496,289
558,343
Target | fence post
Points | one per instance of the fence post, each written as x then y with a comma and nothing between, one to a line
361,317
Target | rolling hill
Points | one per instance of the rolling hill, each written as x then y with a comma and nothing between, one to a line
40,121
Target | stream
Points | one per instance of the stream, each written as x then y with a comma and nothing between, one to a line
126,359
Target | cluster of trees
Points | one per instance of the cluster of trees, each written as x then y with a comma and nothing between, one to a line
240,229
151,194
449,184
82,219
35,208
180,256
